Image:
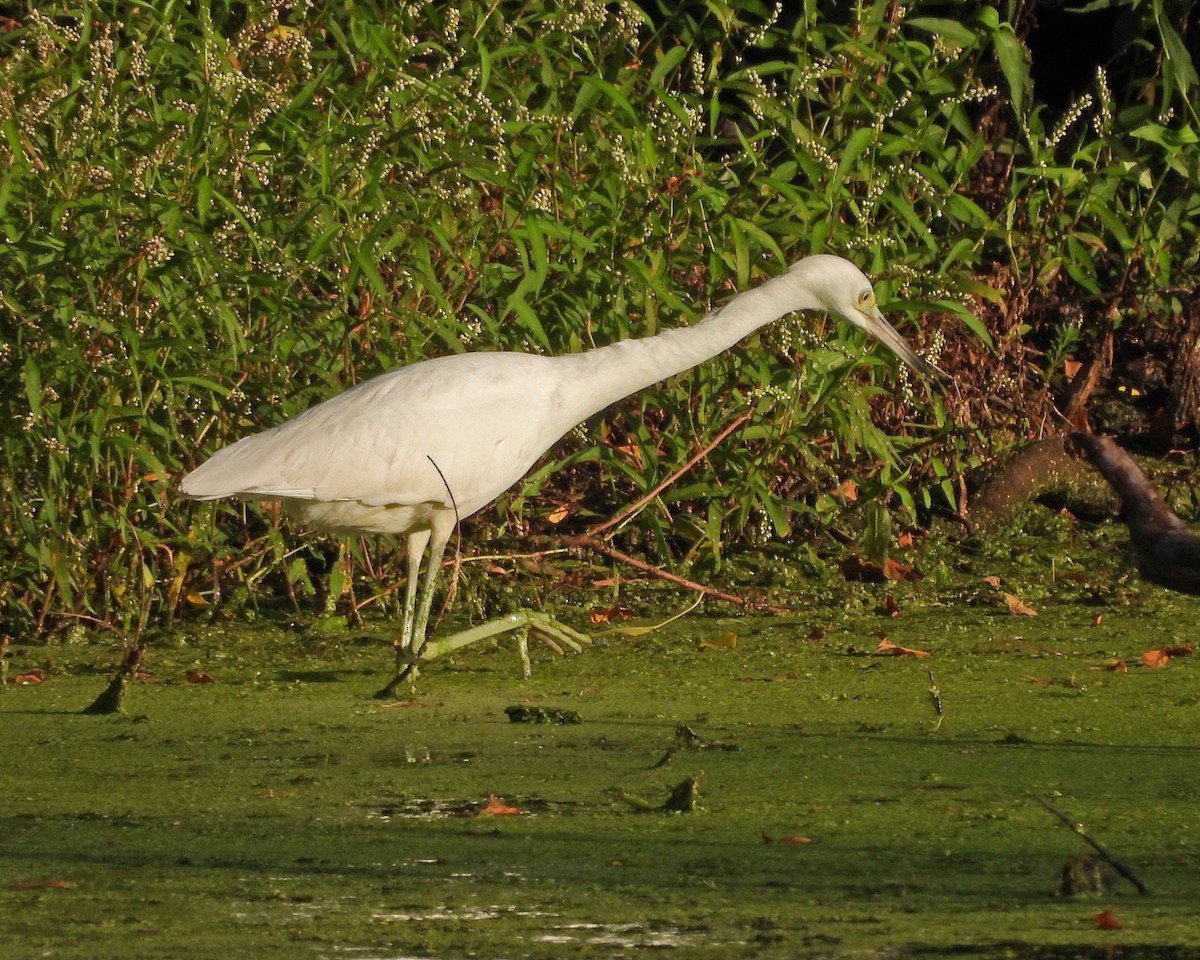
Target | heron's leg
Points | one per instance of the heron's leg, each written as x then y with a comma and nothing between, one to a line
437,550
417,605
415,544
408,646
543,628
415,646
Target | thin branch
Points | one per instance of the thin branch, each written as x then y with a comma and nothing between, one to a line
599,546
634,508
1095,844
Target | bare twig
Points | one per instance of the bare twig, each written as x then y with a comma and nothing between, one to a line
591,543
635,507
1095,845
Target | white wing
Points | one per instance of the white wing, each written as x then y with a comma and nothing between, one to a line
482,418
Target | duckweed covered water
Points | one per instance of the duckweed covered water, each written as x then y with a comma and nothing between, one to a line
280,811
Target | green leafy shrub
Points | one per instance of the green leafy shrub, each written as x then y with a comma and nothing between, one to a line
215,216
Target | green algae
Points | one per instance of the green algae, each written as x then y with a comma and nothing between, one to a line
280,811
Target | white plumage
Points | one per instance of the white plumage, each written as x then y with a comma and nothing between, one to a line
408,451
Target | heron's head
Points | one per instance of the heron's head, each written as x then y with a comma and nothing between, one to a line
840,288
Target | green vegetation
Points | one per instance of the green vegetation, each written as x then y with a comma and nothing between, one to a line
214,215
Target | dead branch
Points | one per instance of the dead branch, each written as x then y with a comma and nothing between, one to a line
1095,845
634,508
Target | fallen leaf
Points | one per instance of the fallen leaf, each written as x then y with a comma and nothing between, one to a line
858,570
904,539
609,614
1107,920
992,582
33,676
494,808
767,838
558,514
890,607
895,570
1097,619
196,599
888,649
848,490
199,676
725,640
1017,608
1155,658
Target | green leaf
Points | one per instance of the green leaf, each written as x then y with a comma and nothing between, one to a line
970,321
876,540
204,192
979,288
1014,64
1167,137
856,144
1179,65
32,377
365,262
952,30
667,63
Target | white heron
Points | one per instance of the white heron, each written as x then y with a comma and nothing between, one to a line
415,449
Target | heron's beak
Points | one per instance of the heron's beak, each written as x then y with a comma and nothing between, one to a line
876,324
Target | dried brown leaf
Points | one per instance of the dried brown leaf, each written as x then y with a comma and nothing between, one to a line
888,649
1017,607
494,808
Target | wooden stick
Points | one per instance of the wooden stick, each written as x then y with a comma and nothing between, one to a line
1095,844
591,543
634,508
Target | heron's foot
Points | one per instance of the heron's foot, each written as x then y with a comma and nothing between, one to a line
525,623
406,673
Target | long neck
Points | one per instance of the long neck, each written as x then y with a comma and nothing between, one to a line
622,368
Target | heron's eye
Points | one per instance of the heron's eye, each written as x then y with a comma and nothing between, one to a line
866,298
